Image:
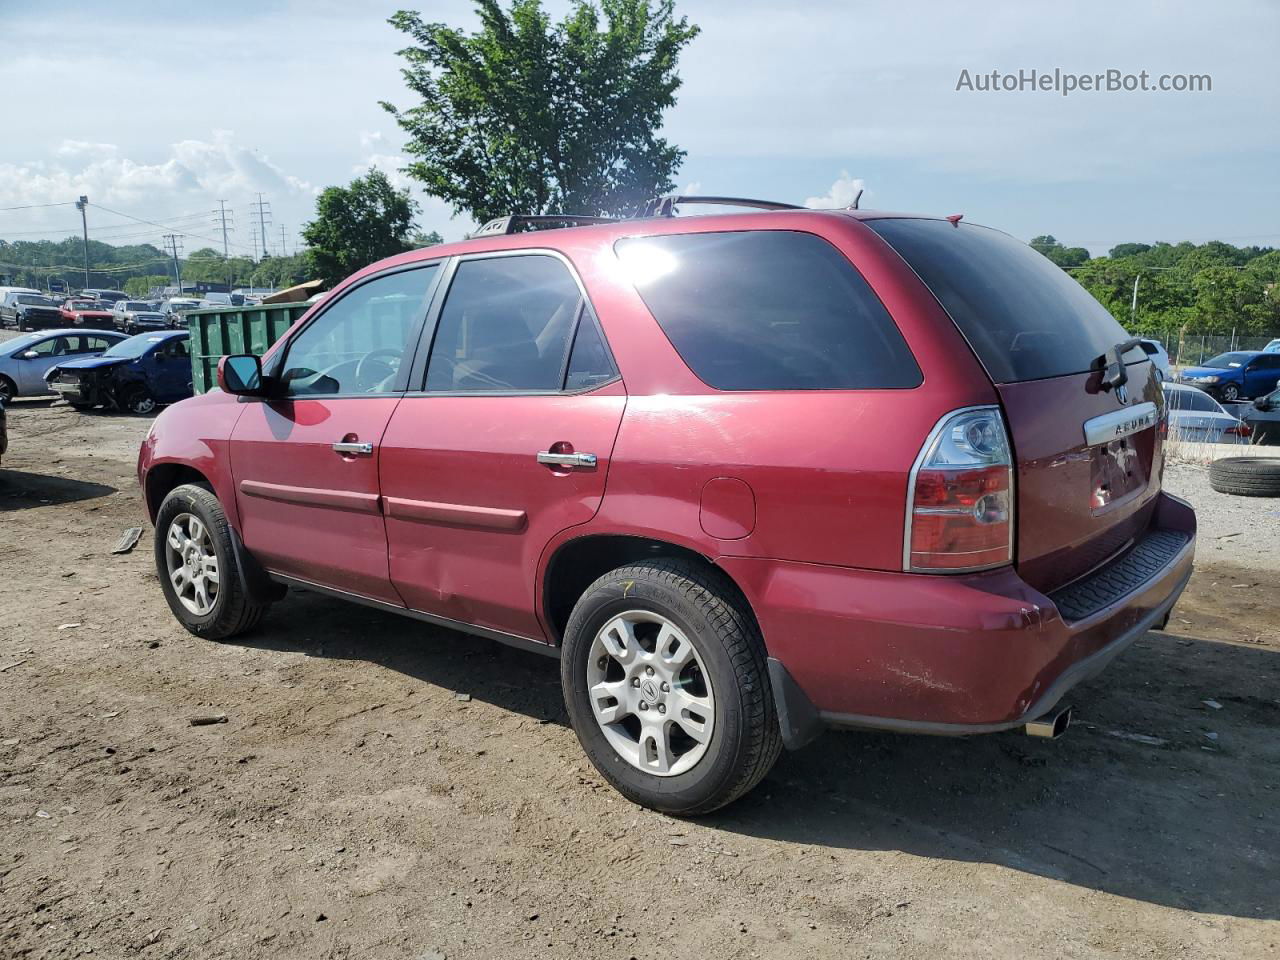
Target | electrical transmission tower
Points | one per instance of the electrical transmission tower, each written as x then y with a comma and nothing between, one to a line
226,220
262,209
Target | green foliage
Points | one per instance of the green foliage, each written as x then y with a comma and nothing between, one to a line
33,263
528,117
1208,288
355,225
1062,256
141,286
420,239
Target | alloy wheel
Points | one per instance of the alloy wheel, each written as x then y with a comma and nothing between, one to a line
650,693
192,564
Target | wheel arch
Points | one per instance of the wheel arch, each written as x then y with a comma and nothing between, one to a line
577,563
163,478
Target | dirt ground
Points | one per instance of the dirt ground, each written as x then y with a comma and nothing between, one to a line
353,804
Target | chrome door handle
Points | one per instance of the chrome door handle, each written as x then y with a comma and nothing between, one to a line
567,459
354,449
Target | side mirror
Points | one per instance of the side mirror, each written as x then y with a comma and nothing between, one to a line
29,355
241,374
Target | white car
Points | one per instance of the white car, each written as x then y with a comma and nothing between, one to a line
1272,347
1195,417
1159,357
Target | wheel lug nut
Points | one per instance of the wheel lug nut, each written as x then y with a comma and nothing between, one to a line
643,705
601,662
635,681
662,708
649,671
665,686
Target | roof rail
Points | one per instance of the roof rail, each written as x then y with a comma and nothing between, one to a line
513,223
665,206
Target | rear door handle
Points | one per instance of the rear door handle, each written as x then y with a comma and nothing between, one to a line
567,459
353,449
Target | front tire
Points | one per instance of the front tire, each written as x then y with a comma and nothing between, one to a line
8,389
197,566
663,672
139,401
1230,393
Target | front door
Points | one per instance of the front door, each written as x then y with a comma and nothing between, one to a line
1261,375
508,444
306,464
170,373
48,353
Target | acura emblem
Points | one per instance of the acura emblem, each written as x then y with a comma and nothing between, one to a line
1122,393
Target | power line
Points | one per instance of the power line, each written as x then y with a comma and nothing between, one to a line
154,223
37,206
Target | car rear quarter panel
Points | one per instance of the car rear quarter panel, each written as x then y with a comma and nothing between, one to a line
827,468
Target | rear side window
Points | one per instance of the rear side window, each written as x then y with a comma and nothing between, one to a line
506,326
1192,400
1024,317
768,310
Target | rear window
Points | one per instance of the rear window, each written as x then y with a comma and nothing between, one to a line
768,310
1024,317
1192,400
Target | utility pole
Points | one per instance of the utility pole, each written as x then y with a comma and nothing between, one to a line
81,204
284,252
226,255
1133,308
264,213
172,240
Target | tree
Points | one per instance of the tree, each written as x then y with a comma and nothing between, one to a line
420,239
526,117
357,224
1055,251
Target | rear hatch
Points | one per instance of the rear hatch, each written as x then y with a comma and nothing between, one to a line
1089,459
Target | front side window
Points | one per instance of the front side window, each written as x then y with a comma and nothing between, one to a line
768,310
506,326
360,342
54,347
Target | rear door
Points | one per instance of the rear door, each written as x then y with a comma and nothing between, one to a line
1088,458
506,442
306,464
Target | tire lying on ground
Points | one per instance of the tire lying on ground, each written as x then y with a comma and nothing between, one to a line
1246,476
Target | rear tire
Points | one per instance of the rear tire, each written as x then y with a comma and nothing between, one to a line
222,609
1246,476
8,389
636,620
139,401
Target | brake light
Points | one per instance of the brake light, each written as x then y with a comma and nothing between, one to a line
1240,430
960,496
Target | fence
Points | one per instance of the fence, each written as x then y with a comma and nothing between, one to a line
220,331
1189,349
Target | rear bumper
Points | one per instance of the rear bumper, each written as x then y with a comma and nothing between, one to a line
953,655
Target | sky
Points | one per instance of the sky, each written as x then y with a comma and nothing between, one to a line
158,111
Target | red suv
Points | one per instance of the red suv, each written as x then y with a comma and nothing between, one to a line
747,475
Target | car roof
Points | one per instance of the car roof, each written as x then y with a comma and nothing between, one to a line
1182,387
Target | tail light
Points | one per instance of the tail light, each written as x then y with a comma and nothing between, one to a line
960,496
1239,430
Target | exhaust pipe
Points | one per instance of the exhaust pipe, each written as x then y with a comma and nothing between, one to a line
1052,725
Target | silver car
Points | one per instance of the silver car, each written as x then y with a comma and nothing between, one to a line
26,359
1195,417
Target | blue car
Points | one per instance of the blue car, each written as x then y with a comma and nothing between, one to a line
1238,375
137,375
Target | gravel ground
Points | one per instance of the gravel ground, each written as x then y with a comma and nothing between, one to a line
381,789
1240,530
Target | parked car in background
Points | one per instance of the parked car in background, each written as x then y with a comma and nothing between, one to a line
25,360
1272,347
1237,375
87,313
1262,415
30,311
5,292
1159,357
434,439
135,316
137,374
1195,417
175,309
105,296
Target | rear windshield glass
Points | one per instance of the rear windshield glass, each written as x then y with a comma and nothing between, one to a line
1025,317
1191,400
1224,361
768,310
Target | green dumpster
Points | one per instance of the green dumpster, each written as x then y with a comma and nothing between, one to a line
219,331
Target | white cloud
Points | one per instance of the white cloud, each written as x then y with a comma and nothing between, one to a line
691,189
843,193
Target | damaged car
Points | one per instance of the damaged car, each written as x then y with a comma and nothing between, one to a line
137,374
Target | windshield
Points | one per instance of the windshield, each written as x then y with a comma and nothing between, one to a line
36,301
135,346
82,305
135,305
1225,361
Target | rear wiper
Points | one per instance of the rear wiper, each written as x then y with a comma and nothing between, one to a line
1114,373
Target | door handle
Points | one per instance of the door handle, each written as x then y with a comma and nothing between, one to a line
353,449
567,459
